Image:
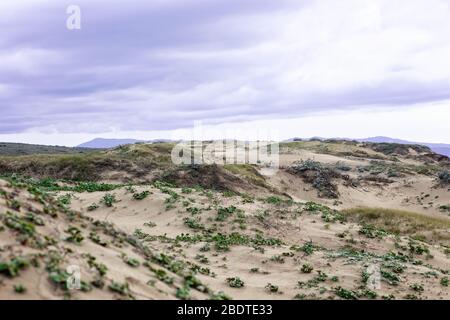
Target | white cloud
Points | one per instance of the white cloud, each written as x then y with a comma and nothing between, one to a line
163,64
421,123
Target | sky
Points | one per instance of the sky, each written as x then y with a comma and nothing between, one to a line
151,69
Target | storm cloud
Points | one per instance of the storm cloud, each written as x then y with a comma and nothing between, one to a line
163,64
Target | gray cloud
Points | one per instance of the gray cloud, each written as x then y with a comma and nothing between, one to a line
163,64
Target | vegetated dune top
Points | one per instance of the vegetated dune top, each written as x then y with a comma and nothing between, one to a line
18,149
340,174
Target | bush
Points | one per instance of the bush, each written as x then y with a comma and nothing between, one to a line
141,196
319,176
235,282
307,268
444,177
109,200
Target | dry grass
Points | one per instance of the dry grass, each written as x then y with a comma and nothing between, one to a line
336,148
248,172
402,222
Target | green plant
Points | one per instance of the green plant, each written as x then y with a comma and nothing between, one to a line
307,268
334,279
19,288
220,296
235,282
371,232
308,248
273,200
150,224
12,268
13,221
444,177
186,190
444,282
65,200
193,210
109,199
183,293
277,258
93,207
14,204
59,278
346,294
130,261
163,276
121,288
272,288
416,287
75,235
224,213
31,217
96,239
390,278
100,267
193,224
141,196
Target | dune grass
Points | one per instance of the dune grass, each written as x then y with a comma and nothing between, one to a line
402,222
247,171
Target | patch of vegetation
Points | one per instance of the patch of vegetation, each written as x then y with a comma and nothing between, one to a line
308,248
75,235
224,213
132,262
319,176
141,196
346,294
248,172
417,287
12,267
372,232
307,268
109,199
390,277
399,222
64,200
277,258
121,288
23,226
19,288
100,267
194,224
235,282
93,207
183,293
220,296
274,200
271,288
444,177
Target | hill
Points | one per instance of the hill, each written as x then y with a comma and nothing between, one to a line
338,220
16,149
440,148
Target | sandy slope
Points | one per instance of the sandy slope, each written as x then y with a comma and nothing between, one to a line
187,243
281,223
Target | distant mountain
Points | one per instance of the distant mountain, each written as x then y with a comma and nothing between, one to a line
19,149
100,143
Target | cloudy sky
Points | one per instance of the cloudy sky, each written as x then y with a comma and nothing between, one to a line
143,69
